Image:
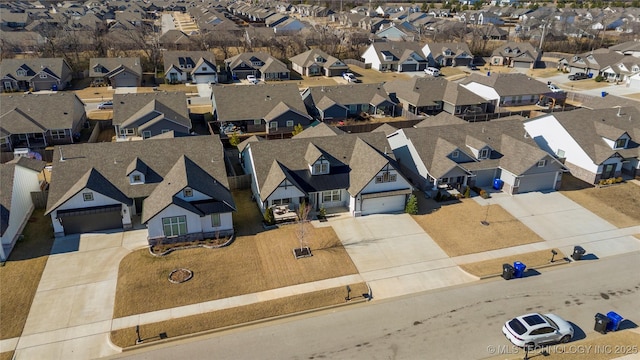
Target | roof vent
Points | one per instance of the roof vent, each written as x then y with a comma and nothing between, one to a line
61,154
619,111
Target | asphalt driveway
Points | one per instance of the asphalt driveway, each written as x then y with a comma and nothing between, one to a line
396,256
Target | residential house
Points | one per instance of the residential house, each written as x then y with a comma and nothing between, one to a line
402,31
623,71
430,96
353,172
190,66
36,121
592,62
35,74
117,72
274,108
502,90
19,178
395,56
175,39
594,144
259,64
177,187
628,48
289,26
518,55
448,54
317,130
144,115
316,62
333,103
475,154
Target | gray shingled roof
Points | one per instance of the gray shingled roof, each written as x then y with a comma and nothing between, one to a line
84,163
511,150
110,64
185,57
509,84
442,118
21,114
352,94
385,128
588,127
130,108
322,129
309,57
354,160
230,101
418,91
32,67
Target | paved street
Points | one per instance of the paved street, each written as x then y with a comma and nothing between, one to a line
459,322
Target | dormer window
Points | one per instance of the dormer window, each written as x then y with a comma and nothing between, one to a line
621,143
204,68
88,196
484,153
188,192
386,177
320,168
21,72
542,163
455,154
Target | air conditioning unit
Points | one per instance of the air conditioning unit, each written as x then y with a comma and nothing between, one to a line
357,213
21,152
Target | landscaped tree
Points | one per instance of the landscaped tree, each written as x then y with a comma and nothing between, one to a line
303,231
412,205
297,129
234,140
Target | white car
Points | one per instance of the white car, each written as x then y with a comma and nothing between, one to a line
533,330
554,88
106,105
432,71
252,79
349,77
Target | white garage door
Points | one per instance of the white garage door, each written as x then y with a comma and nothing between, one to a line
537,182
386,204
204,79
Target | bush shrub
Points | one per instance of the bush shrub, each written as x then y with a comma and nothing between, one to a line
268,217
412,205
599,78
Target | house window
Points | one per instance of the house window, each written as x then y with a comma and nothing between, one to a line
22,136
278,202
386,177
560,153
21,72
127,131
516,182
484,153
58,134
455,154
621,143
146,134
87,196
542,163
289,123
43,76
3,141
257,121
438,105
174,226
215,220
332,195
136,178
187,192
165,130
204,68
273,125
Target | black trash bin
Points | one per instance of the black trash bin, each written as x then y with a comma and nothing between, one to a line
507,271
602,321
578,252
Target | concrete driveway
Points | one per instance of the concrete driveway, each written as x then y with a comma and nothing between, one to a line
395,256
563,223
70,317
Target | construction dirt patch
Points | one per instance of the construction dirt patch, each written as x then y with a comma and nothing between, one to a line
457,227
532,260
618,204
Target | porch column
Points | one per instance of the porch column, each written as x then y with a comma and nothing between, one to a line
435,184
28,143
44,139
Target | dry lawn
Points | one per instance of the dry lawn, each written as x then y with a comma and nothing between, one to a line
624,340
494,266
586,84
239,315
20,275
250,264
96,94
100,115
456,228
7,355
618,204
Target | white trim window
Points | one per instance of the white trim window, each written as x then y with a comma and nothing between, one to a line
621,143
455,154
331,196
136,179
43,76
273,125
278,202
88,196
484,153
560,153
58,134
215,220
21,72
146,134
188,192
386,177
289,123
542,163
174,226
257,121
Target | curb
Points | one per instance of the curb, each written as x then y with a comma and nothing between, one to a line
237,326
555,263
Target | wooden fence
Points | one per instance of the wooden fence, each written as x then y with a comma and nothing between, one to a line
239,182
357,63
39,199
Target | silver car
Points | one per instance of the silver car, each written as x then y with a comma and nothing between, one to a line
533,330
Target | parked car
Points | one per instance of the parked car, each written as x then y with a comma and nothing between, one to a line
578,76
554,88
432,71
105,105
533,330
350,77
252,79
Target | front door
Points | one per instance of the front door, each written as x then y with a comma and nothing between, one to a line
608,171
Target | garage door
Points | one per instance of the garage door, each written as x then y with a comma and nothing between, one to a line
126,80
409,67
78,221
521,64
386,204
484,177
205,79
537,182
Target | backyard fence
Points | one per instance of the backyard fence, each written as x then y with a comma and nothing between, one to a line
239,182
39,199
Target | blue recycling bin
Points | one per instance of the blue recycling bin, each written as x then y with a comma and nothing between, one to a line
603,94
614,321
54,87
497,183
518,268
590,75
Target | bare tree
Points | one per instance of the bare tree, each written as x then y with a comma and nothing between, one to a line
303,229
